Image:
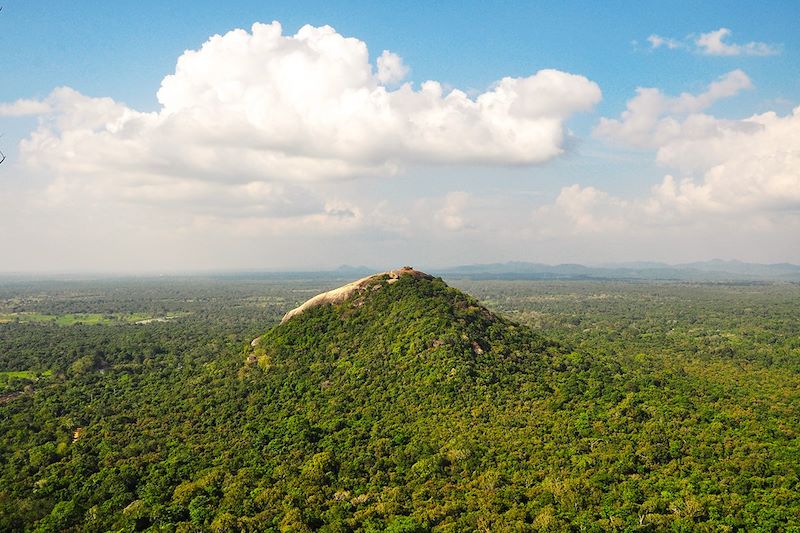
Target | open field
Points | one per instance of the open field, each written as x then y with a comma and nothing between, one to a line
70,319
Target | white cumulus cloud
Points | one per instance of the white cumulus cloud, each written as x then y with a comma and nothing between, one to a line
261,106
747,169
259,135
739,166
652,118
713,44
391,68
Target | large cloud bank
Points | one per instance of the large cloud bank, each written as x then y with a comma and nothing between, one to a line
252,154
260,106
743,172
721,165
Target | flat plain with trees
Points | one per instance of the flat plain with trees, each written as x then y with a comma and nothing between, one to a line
529,405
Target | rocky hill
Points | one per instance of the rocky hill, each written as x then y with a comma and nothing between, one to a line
396,328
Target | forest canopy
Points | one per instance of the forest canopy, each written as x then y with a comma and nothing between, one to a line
414,407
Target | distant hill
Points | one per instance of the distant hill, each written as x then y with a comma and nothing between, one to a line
714,270
776,270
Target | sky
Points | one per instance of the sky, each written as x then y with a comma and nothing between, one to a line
189,136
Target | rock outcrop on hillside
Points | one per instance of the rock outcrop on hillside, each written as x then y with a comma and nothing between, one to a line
373,282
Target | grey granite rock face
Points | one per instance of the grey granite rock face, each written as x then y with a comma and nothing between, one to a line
346,291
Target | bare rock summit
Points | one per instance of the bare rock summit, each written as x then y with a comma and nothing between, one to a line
373,282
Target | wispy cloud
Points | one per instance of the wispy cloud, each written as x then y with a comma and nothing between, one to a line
714,43
657,41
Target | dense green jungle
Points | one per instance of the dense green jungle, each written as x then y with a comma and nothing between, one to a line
139,404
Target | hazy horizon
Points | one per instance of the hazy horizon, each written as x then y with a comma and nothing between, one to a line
347,269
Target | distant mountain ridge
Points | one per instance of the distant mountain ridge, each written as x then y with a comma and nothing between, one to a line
713,270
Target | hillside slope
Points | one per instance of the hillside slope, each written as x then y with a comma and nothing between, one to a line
433,412
400,331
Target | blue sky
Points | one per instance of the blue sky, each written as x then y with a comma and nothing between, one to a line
123,51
